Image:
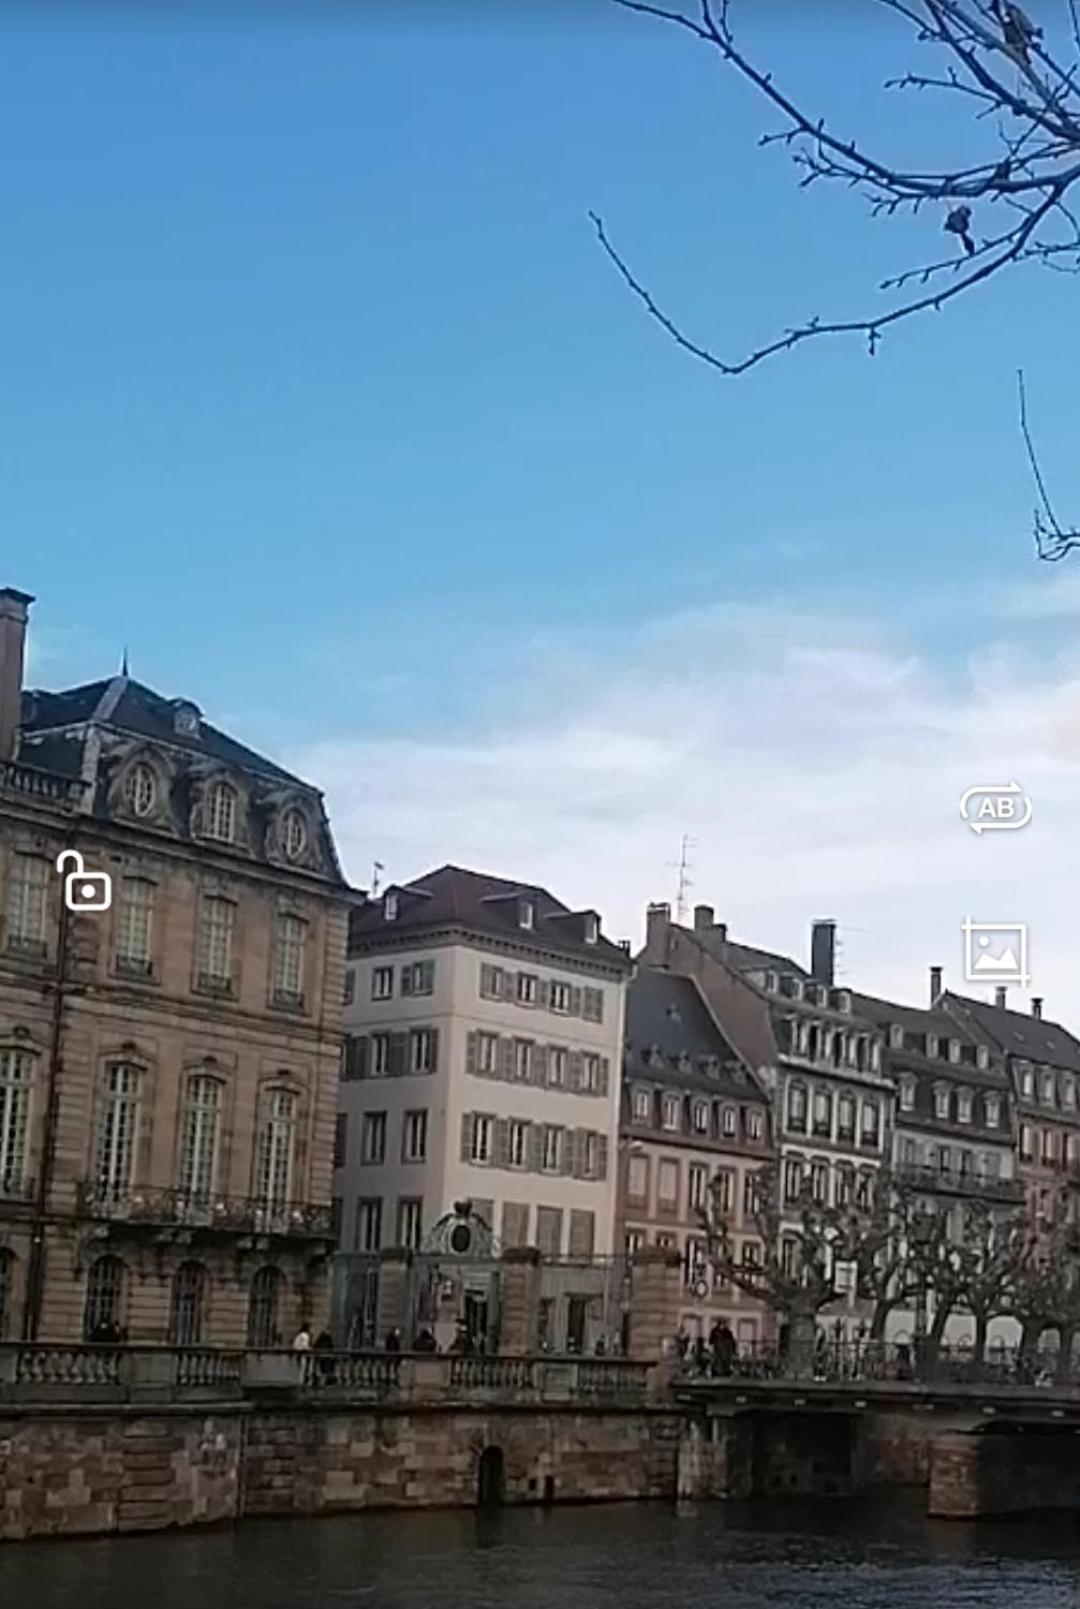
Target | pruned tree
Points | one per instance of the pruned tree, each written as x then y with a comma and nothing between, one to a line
978,1268
1046,1293
1020,82
880,1239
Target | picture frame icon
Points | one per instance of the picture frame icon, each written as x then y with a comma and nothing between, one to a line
996,952
83,890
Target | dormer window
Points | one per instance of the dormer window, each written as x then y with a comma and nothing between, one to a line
526,914
1049,1087
592,927
221,813
185,718
932,1045
896,1036
963,1105
982,1057
954,1049
1027,1080
942,1101
140,789
390,906
907,1094
294,834
772,981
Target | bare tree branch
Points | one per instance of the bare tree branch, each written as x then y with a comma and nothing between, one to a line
1052,540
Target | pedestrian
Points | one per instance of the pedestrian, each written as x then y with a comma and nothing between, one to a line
324,1345
723,1346
302,1339
682,1342
425,1341
393,1340
701,1356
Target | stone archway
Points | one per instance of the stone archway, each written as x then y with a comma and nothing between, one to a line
490,1478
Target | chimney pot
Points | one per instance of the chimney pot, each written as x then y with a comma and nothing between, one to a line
720,931
1036,1005
704,918
823,952
1001,994
657,924
936,976
14,612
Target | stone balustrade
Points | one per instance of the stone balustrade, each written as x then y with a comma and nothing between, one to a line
106,1373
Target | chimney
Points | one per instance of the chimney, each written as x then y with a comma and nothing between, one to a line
14,609
823,952
1036,1005
704,918
1001,994
936,978
657,922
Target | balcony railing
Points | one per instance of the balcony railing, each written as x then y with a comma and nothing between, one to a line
194,1210
953,1182
33,783
16,1187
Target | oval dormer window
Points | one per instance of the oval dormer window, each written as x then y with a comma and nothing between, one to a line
294,834
140,789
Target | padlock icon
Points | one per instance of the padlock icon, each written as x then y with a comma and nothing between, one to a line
83,890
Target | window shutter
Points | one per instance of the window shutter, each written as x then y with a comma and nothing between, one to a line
568,1147
576,1139
543,992
406,980
468,1123
434,1032
576,1062
396,1061
502,1142
506,1059
539,1064
535,1147
605,1073
471,1059
575,1002
427,977
602,1157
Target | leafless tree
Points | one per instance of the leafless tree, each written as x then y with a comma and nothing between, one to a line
1013,206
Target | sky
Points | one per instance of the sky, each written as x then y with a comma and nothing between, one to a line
318,395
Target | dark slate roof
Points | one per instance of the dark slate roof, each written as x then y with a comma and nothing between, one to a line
916,1019
748,958
452,896
666,1013
1036,1039
126,706
918,1022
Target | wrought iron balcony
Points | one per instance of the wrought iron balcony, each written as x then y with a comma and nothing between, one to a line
214,1214
16,1187
952,1182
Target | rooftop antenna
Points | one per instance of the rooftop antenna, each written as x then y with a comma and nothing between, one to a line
125,667
684,882
376,869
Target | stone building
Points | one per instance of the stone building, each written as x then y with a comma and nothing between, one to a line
692,1114
1043,1064
484,1033
168,1065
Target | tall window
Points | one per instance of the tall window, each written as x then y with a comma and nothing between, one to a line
216,942
414,1136
199,1137
28,904
118,1130
104,1309
369,1223
289,960
373,1137
188,1303
274,1159
410,1212
220,817
262,1329
140,789
135,927
16,1082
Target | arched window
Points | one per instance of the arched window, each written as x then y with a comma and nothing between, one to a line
294,834
16,1083
117,1131
199,1138
274,1156
140,789
263,1324
188,1305
220,814
7,1269
105,1289
288,981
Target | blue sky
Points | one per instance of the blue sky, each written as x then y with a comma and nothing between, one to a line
318,393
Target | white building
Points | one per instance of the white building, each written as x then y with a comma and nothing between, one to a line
484,1027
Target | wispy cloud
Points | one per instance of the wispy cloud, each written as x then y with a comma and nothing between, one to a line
816,759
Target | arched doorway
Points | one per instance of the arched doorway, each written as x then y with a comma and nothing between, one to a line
490,1476
104,1310
188,1305
263,1329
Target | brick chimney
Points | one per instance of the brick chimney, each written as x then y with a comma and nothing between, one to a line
1036,1005
704,918
1001,995
14,611
937,977
823,952
657,924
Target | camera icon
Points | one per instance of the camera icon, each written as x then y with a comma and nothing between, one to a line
83,890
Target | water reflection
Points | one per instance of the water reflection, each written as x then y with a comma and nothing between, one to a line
824,1555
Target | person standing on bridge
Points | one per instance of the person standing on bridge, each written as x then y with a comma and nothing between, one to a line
723,1346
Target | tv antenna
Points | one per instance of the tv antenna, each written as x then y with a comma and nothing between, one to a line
684,882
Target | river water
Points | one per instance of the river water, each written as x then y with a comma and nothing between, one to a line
823,1554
